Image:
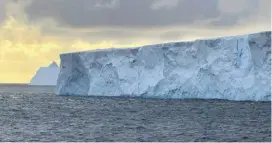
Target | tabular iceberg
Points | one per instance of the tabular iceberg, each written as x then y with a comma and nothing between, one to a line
233,68
46,75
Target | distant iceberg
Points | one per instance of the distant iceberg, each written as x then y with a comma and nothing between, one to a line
46,75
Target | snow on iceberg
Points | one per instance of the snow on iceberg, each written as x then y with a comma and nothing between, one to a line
46,75
233,68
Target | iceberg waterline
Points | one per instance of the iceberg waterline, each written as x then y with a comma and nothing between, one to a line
233,68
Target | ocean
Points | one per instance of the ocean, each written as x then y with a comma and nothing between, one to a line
35,113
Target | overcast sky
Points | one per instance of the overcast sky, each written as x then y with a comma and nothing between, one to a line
170,19
43,29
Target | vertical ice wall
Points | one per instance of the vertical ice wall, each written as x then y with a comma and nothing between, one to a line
234,68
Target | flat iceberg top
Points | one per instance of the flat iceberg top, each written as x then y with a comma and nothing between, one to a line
164,44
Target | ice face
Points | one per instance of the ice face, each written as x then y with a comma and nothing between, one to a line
234,68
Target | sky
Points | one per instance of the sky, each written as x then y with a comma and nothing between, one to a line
34,32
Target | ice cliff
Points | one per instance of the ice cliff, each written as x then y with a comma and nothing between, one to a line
234,68
46,75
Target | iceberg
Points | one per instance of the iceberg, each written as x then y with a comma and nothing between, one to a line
232,68
46,75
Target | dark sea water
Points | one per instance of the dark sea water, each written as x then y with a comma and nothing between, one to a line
33,113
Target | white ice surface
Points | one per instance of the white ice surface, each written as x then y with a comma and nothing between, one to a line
234,68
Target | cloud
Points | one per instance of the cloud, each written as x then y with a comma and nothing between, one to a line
26,46
107,4
130,13
141,14
128,20
2,10
164,4
234,6
24,49
171,35
34,32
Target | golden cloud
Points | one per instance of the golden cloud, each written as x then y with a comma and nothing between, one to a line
24,49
